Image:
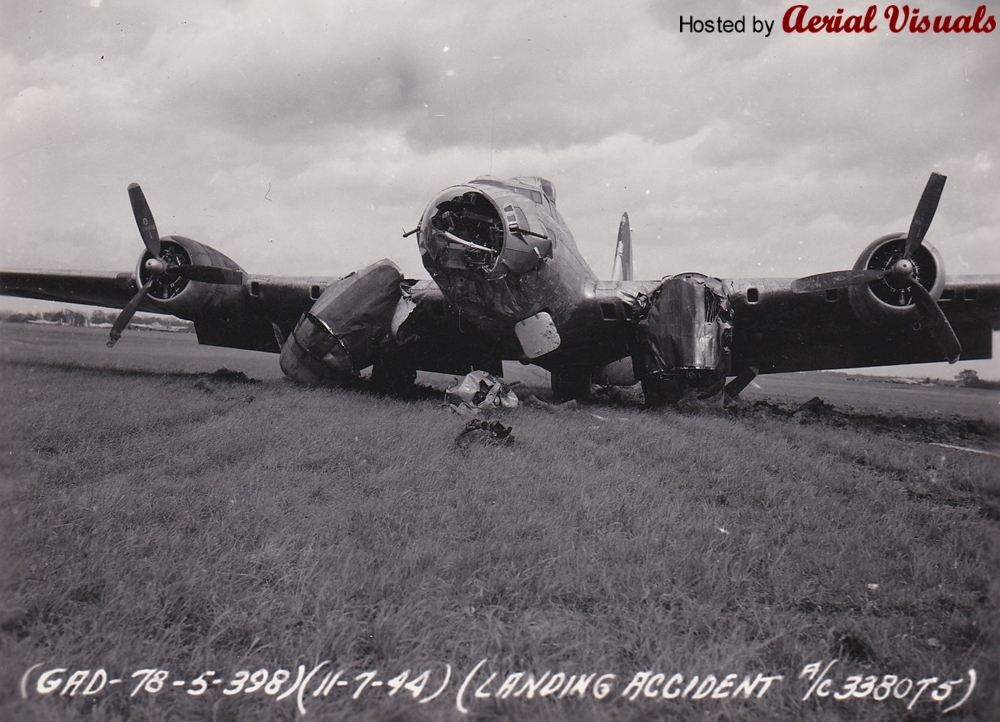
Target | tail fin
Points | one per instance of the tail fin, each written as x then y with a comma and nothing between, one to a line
622,268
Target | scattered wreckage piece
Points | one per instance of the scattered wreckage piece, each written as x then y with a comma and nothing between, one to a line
493,433
533,400
482,390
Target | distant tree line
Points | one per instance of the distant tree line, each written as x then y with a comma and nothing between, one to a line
970,380
97,317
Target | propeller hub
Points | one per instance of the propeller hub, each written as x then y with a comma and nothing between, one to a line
902,270
155,266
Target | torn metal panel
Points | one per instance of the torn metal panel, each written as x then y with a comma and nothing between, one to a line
340,334
404,307
436,336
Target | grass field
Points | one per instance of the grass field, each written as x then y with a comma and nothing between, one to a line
194,523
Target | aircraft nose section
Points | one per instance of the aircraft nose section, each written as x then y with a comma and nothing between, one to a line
462,229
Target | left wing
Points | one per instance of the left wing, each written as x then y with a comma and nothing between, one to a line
777,330
321,326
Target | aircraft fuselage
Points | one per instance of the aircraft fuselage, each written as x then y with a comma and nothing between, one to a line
501,252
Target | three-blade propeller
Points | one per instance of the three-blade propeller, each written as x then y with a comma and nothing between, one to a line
902,273
159,268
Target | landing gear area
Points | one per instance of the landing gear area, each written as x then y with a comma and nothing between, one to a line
571,384
673,387
394,375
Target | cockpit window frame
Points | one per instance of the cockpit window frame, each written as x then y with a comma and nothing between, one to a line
535,196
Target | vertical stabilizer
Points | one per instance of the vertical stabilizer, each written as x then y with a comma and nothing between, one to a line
622,268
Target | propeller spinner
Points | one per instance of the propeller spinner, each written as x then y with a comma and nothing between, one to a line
902,273
161,268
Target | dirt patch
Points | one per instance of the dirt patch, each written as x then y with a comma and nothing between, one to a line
954,429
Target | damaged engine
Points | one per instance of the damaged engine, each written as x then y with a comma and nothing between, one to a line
344,330
683,339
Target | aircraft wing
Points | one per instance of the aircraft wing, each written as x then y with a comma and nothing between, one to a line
777,330
263,310
245,322
110,289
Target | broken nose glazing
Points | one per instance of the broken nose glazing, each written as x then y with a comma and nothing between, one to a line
461,230
488,245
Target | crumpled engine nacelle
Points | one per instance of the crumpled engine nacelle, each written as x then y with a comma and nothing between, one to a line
889,301
683,339
341,334
186,298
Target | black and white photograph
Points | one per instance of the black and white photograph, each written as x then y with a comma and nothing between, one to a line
447,360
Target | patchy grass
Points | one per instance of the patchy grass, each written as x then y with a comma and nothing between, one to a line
192,522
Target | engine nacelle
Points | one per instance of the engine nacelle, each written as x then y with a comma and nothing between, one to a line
888,302
342,333
184,298
683,338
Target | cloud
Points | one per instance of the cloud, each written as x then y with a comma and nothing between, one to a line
303,138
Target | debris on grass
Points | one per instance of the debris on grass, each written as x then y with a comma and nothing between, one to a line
815,405
494,433
464,409
206,381
224,374
566,406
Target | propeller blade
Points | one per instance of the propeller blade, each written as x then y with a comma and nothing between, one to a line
931,314
924,214
734,387
835,279
126,315
207,274
144,219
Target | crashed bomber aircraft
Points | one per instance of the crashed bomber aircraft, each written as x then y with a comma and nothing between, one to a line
509,283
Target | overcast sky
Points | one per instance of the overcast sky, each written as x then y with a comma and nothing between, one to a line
303,138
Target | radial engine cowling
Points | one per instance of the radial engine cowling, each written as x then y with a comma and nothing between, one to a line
684,338
342,332
183,297
889,301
